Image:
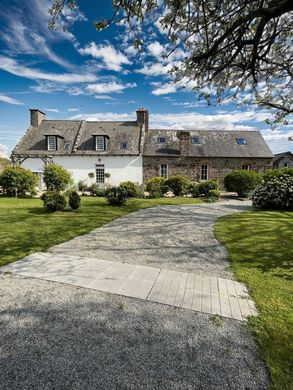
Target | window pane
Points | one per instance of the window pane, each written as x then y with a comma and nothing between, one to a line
204,172
52,143
164,170
162,140
241,141
100,173
123,145
246,167
100,142
195,140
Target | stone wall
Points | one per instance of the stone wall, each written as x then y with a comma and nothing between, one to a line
191,166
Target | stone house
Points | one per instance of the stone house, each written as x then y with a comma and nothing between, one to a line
132,151
283,160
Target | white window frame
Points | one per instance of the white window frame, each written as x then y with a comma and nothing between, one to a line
204,176
51,138
100,173
100,143
162,168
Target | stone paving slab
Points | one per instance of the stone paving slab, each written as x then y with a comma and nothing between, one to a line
197,292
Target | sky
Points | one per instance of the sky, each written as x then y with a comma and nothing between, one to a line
82,73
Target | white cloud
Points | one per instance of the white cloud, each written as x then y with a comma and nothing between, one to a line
165,89
155,69
155,49
9,100
73,109
112,59
11,66
53,110
3,151
103,97
111,87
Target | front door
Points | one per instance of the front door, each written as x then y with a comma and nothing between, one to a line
100,175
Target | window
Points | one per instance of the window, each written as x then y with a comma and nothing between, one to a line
100,173
66,145
164,170
285,165
246,167
241,141
162,140
51,142
100,143
204,172
124,145
195,140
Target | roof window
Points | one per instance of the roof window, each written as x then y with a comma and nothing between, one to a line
195,140
124,145
162,140
51,142
241,141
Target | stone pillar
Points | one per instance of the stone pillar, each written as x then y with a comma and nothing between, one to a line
142,116
184,141
37,117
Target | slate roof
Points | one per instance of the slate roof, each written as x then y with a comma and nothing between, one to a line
76,137
214,143
279,156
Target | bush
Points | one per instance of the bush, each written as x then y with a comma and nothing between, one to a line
242,182
82,187
275,173
213,195
18,181
53,201
74,200
56,177
156,186
132,189
94,190
276,194
116,196
178,184
203,188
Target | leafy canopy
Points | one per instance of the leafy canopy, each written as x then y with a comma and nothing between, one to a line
239,49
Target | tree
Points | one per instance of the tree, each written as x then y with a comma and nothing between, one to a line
56,177
231,47
18,181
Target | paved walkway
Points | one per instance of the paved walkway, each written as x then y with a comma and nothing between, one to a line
197,292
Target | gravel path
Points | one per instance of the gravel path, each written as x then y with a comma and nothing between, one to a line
170,237
55,336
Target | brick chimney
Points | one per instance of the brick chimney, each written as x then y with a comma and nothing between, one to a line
37,117
184,140
142,116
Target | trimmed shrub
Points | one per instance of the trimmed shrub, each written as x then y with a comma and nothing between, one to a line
203,188
156,186
213,195
54,201
276,194
116,196
18,181
242,182
74,200
132,189
94,190
56,177
177,184
276,173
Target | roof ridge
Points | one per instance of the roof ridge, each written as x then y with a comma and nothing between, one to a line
218,130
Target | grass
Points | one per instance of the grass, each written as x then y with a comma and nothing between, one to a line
260,246
25,227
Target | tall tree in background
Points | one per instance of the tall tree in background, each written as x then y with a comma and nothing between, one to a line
239,49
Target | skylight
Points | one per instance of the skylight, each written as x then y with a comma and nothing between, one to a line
195,140
241,141
162,140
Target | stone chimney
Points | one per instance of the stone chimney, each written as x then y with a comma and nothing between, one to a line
37,117
184,140
142,116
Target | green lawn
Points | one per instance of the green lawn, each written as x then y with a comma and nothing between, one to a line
260,246
25,226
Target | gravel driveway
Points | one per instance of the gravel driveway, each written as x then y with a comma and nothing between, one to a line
170,237
56,336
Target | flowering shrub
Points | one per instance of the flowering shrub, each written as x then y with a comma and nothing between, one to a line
276,194
169,194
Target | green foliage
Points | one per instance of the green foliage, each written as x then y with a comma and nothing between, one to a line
74,200
156,185
275,194
213,195
18,181
276,173
242,182
56,177
4,163
94,190
132,189
116,196
82,187
178,184
54,201
203,188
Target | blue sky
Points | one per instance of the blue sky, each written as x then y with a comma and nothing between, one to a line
100,76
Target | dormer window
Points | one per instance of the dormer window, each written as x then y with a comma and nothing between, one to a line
162,140
51,142
124,145
100,143
241,141
195,140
